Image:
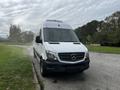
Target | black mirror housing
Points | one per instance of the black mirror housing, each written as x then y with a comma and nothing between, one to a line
38,39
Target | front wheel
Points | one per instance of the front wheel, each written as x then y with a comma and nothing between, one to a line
43,70
34,54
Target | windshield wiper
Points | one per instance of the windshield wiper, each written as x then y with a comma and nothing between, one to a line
76,42
53,42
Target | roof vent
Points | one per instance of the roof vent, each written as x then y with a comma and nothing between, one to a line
54,21
58,25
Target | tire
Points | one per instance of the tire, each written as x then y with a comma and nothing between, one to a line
43,70
81,71
34,55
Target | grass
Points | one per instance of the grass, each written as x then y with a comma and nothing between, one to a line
104,49
16,43
15,69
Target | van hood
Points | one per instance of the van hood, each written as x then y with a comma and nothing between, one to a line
65,47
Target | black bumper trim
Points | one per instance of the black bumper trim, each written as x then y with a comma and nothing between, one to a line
63,67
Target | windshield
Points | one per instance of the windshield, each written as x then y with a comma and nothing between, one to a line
59,35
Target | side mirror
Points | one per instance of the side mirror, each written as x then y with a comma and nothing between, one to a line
38,39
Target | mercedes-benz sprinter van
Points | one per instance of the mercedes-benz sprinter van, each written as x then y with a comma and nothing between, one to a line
58,49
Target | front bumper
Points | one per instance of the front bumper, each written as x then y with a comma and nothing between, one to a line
63,67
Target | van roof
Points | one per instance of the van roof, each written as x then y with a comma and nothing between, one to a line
54,21
56,24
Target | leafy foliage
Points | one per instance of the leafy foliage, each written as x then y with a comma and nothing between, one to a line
16,35
87,31
105,32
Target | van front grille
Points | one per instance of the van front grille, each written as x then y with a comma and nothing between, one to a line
74,56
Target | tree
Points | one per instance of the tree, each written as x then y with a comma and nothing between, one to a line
87,30
89,39
110,31
14,33
105,32
27,36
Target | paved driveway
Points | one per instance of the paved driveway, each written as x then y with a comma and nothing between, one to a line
103,74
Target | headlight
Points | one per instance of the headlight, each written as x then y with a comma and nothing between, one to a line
51,55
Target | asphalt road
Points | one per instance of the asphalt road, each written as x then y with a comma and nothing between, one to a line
103,74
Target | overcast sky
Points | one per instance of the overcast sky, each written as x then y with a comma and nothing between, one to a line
30,13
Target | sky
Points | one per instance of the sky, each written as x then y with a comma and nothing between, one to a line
29,14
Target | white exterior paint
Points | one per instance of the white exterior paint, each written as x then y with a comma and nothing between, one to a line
62,47
55,24
65,47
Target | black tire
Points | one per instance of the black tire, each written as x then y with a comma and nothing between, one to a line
82,71
34,53
43,70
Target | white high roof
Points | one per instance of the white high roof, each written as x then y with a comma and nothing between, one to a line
56,24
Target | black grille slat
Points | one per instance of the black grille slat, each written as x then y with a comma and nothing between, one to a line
69,56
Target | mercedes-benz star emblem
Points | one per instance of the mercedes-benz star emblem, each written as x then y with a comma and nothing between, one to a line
73,57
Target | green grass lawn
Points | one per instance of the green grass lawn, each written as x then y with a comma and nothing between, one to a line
15,69
16,43
104,49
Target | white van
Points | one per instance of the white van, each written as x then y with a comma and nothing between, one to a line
58,49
